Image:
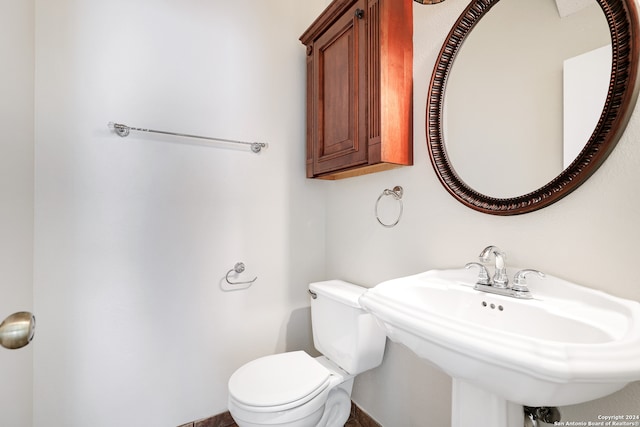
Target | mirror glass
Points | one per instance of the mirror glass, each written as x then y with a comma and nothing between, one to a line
513,136
525,85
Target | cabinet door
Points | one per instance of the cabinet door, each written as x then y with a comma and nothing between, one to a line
339,95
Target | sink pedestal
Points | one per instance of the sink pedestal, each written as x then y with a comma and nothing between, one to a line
473,406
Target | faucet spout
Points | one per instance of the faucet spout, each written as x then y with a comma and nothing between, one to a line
500,278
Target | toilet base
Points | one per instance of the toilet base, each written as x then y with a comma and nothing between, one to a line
310,421
333,413
337,409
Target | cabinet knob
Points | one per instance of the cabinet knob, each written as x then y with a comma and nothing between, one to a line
359,13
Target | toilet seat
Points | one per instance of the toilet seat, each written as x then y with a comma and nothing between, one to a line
278,382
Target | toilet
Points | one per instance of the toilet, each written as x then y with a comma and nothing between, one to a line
294,389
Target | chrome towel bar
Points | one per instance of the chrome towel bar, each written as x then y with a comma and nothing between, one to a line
123,131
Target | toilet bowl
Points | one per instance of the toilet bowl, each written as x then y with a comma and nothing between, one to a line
290,389
294,389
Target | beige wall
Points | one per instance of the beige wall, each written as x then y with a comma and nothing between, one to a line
590,237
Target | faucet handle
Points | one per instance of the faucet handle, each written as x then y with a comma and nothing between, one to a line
520,279
483,275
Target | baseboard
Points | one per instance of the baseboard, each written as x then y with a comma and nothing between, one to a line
358,418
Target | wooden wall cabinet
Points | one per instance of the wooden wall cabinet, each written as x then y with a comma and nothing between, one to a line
359,88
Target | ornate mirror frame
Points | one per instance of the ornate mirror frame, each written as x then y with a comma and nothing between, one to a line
622,18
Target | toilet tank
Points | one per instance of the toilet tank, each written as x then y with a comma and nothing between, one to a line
342,331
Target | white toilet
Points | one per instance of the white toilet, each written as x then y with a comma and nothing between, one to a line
296,390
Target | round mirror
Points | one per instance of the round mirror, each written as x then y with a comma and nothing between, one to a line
516,128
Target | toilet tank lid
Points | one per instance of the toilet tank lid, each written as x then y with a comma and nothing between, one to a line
339,290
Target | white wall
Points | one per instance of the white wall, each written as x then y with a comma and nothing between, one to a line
16,201
133,236
590,237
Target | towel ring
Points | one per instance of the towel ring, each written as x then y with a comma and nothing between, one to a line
397,194
239,268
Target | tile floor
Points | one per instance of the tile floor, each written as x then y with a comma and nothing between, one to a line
358,418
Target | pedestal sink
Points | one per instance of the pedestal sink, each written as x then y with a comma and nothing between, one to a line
568,344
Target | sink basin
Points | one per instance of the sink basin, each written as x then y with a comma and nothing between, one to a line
567,345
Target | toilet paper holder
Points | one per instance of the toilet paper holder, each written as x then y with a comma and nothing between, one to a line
238,268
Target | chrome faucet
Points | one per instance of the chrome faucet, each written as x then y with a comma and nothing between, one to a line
500,278
499,284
